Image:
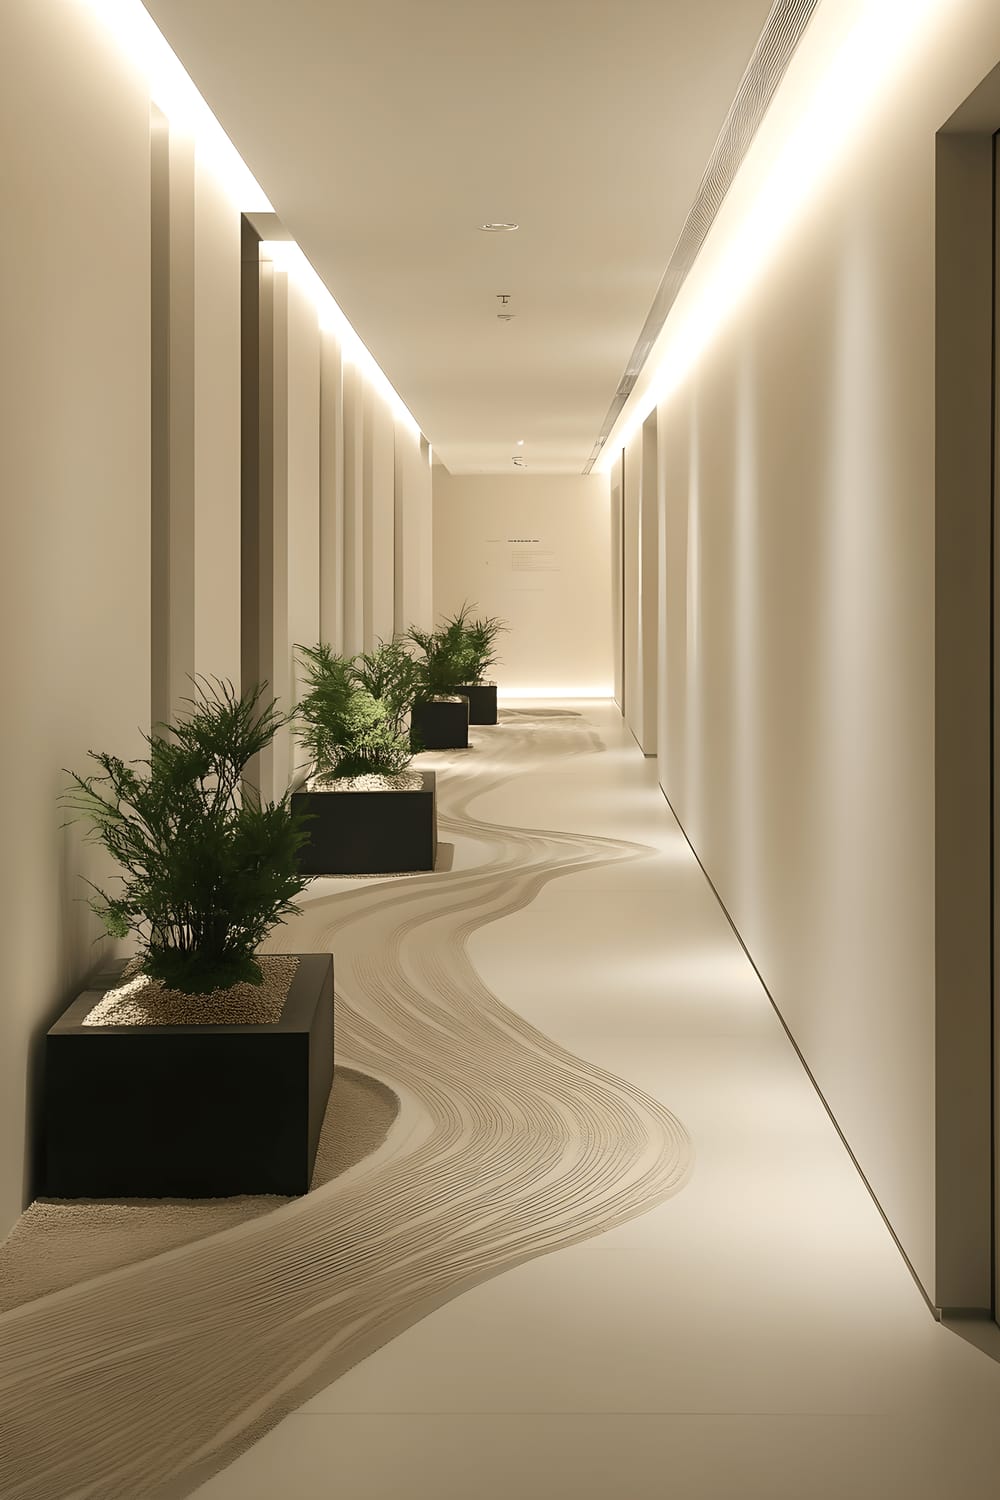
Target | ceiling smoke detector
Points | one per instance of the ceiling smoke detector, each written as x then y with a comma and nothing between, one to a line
498,227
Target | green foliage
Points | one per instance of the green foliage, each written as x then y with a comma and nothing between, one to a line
457,654
481,635
208,868
441,669
350,720
389,674
322,710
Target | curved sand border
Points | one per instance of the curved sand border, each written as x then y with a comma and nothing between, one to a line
145,1381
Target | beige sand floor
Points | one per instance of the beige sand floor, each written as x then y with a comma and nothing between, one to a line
147,1379
60,1243
755,1337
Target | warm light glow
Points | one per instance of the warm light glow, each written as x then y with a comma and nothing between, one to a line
138,37
136,34
286,255
835,108
508,694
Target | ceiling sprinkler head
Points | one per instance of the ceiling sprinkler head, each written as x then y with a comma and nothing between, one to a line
505,317
498,226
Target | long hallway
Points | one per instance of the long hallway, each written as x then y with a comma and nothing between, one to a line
756,1332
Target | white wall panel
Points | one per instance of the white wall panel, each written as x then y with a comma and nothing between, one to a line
414,555
536,552
302,396
617,574
331,561
173,420
380,520
633,701
354,503
275,648
196,424
216,387
663,719
647,566
74,525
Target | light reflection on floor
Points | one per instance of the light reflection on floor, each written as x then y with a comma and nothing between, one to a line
758,1337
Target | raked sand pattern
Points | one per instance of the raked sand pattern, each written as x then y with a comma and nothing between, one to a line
146,1380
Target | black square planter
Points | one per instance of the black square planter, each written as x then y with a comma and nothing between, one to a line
440,724
204,1111
360,832
482,698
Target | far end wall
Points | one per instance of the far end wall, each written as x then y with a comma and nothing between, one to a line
534,550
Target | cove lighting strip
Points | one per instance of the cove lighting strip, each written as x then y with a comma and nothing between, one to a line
137,36
834,106
286,255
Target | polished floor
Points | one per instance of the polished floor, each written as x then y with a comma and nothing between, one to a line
755,1335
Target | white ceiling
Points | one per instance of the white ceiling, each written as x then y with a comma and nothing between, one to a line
386,131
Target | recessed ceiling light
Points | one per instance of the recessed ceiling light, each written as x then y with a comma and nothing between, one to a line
497,228
520,442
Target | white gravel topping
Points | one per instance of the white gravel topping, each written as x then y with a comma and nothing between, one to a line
141,1001
403,781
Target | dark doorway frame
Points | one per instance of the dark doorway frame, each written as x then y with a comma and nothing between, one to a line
965,657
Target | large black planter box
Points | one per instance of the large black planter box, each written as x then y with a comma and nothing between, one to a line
369,832
482,698
440,724
203,1111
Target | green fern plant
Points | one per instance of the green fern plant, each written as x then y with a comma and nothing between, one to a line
445,662
388,673
481,635
457,654
208,868
349,720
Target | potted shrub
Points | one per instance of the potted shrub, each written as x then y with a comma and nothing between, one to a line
368,814
480,635
439,719
204,1069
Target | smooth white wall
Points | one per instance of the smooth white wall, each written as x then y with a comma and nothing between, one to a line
173,419
196,425
640,563
354,509
331,455
380,520
74,523
648,569
617,622
797,647
302,397
632,696
414,559
216,376
534,551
